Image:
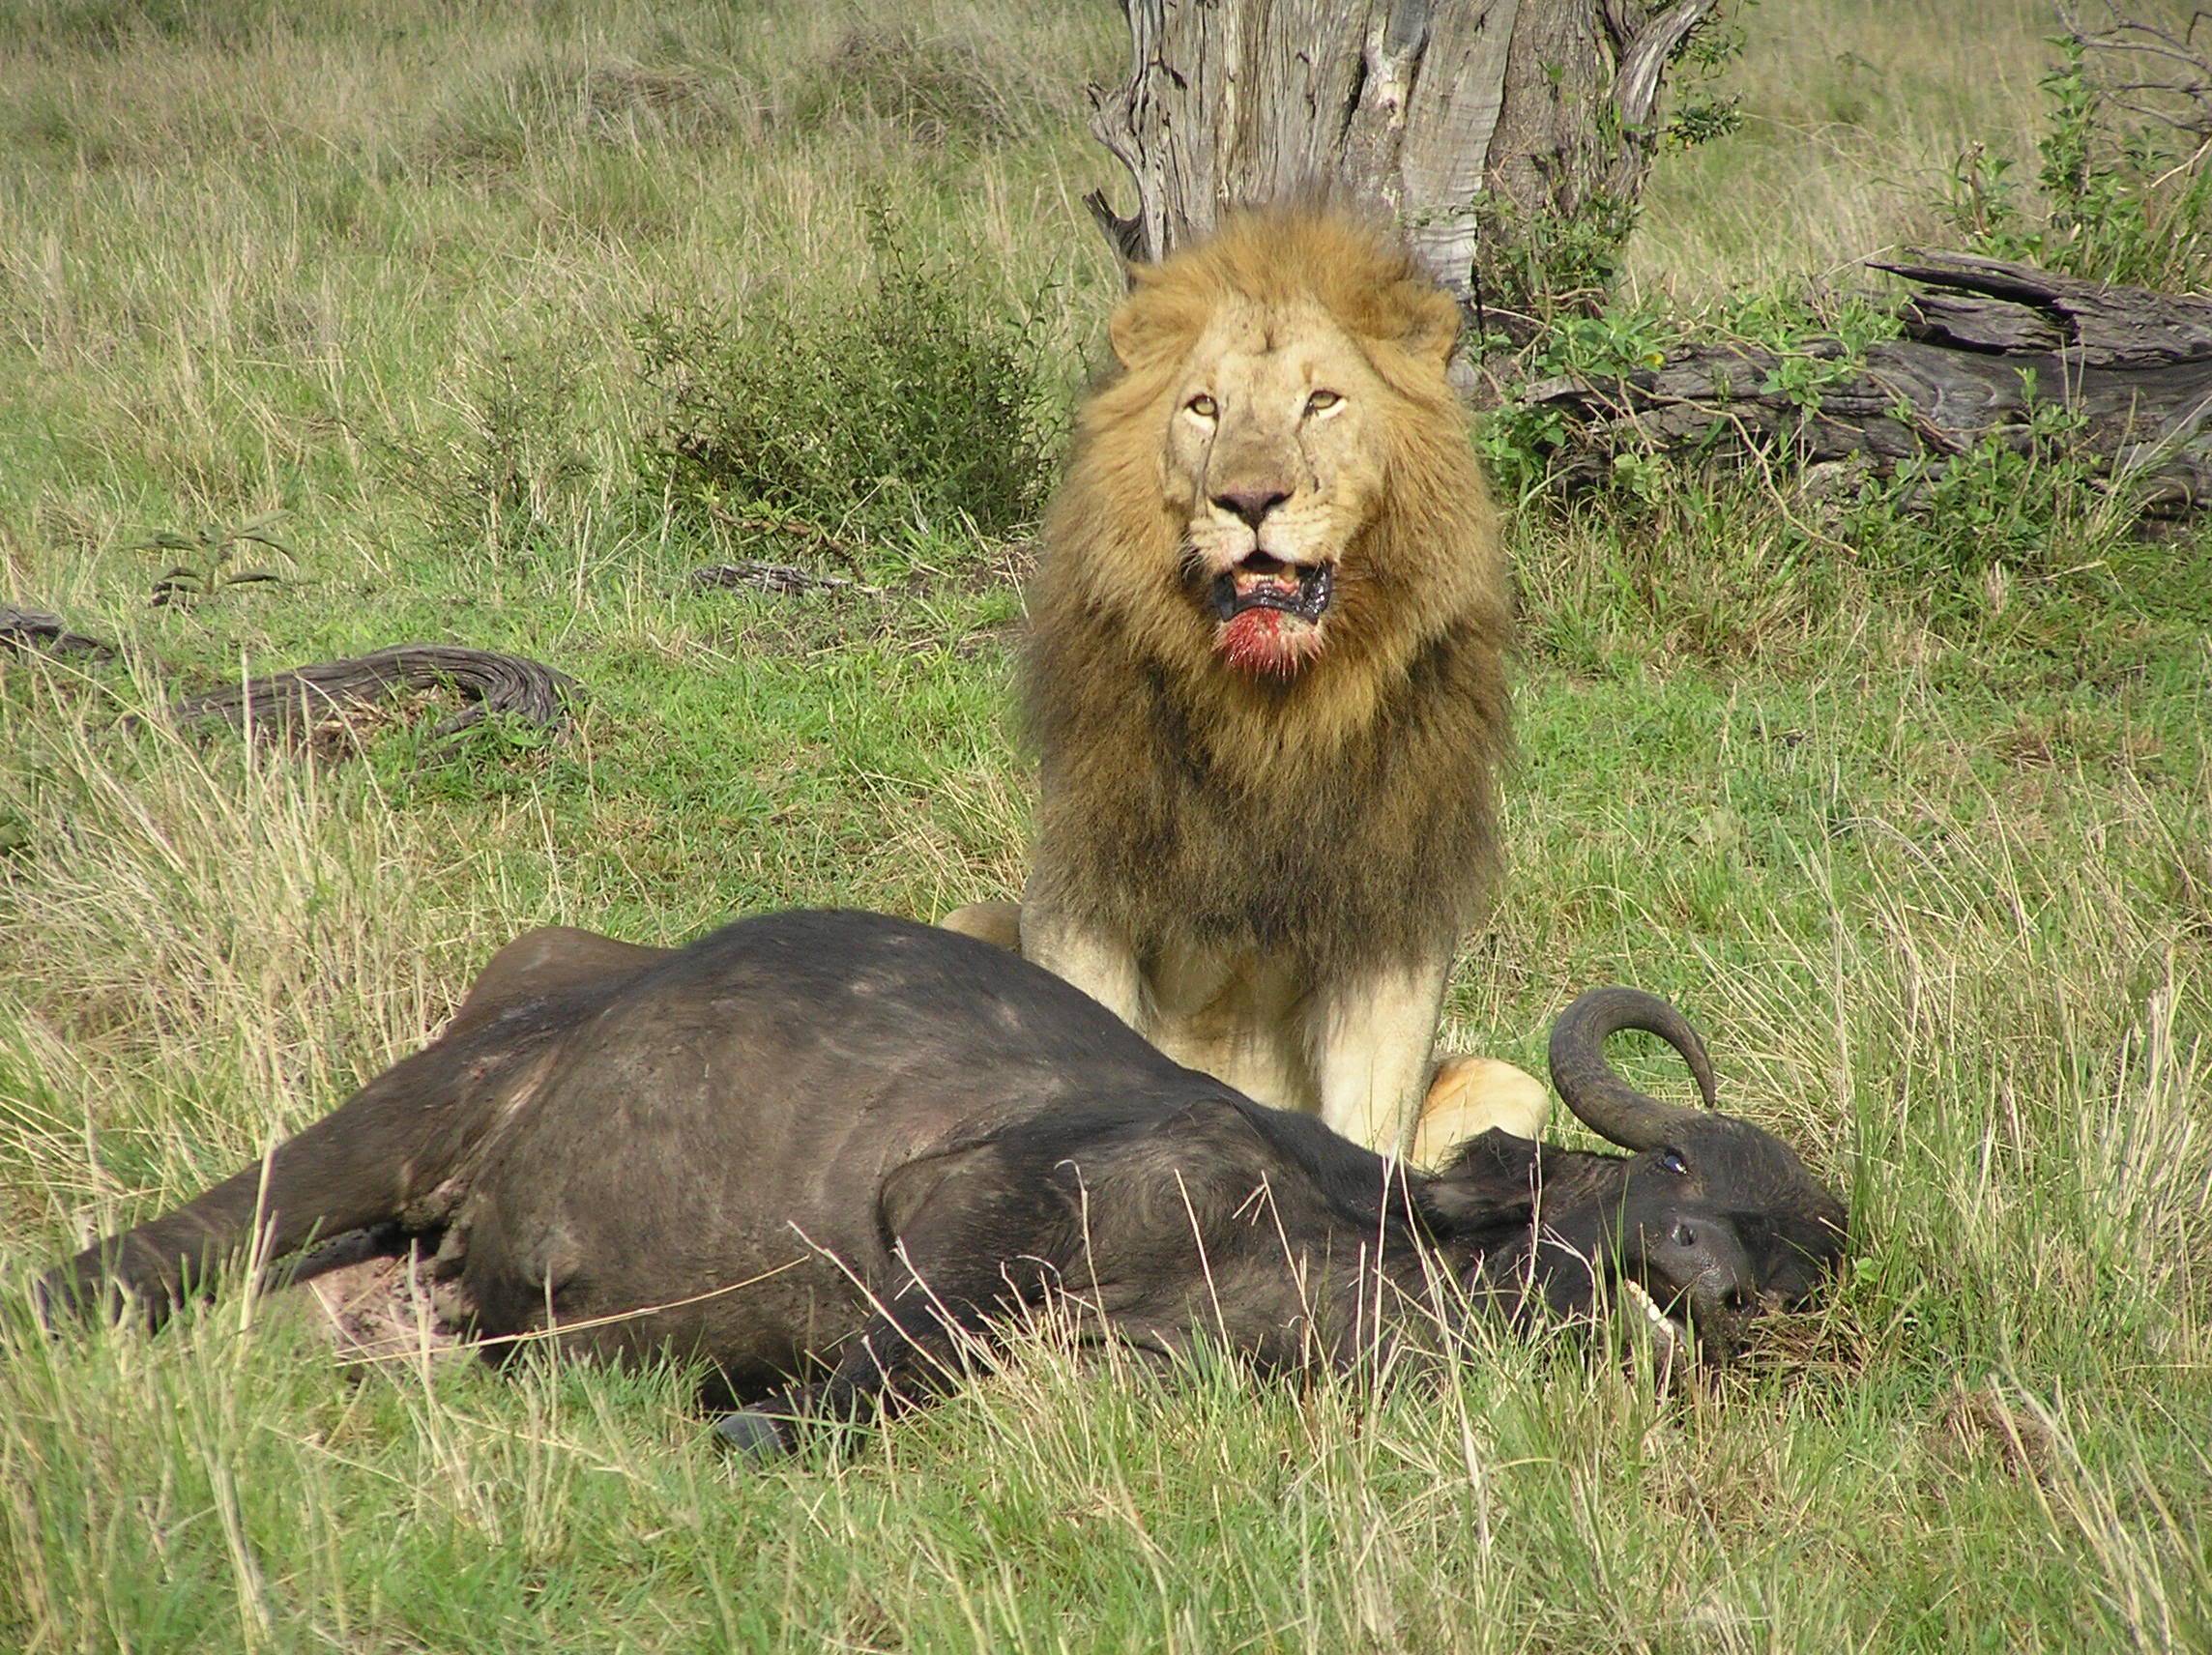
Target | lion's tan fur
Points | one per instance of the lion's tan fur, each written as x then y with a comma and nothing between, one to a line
1337,822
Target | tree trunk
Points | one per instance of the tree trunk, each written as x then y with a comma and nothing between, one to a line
1482,126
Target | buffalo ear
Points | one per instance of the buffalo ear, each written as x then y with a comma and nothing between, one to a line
952,1178
1492,1180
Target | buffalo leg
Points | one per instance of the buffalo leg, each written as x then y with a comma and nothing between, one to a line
902,1359
398,1148
392,1141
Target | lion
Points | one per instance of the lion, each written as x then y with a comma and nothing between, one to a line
1266,674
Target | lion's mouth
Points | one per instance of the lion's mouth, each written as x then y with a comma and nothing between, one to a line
1264,581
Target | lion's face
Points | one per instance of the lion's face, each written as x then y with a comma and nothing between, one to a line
1272,512
1271,466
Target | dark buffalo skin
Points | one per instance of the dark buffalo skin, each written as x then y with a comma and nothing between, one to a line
816,1147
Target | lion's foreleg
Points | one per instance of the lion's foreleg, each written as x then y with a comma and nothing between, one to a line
1370,1036
998,924
1102,964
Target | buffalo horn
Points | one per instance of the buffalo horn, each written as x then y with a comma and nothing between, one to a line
1600,1099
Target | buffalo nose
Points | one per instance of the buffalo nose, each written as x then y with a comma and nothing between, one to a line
1251,504
1708,1261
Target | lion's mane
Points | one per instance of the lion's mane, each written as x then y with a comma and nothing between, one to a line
1345,815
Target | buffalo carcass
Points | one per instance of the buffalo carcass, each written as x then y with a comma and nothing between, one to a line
822,1149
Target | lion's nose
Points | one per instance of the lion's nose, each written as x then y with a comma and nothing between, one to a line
1251,504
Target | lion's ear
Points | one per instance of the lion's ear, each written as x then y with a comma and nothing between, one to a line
1154,318
1128,331
1432,324
1139,329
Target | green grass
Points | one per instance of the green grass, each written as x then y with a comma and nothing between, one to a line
1913,822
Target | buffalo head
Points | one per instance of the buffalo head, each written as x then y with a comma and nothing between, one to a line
1708,1221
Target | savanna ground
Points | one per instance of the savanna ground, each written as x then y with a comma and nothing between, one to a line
503,320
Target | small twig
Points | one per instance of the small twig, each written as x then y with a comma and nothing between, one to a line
2186,88
2178,168
796,527
782,579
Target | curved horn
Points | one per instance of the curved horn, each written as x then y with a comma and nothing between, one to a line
1587,1085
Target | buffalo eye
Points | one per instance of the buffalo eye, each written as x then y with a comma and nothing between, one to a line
1322,401
1672,1161
1202,406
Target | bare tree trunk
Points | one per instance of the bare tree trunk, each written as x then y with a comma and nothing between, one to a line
1473,122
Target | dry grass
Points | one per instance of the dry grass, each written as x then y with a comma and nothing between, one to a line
1924,852
1855,113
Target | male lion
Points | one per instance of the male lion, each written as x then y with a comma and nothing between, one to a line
1265,673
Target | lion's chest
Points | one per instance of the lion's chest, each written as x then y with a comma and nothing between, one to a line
1233,1013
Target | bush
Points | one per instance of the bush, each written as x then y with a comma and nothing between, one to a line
920,400
1995,506
519,475
2108,206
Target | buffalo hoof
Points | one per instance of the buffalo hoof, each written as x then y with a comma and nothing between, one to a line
754,1435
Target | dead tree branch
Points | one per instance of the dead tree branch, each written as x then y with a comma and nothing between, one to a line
1986,343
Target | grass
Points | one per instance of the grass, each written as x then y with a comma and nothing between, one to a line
1918,833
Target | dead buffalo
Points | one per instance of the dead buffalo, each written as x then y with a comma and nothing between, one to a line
822,1149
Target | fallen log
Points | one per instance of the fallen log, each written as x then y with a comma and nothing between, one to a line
28,631
302,697
1986,344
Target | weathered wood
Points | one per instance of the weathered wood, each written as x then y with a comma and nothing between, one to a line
1460,118
1985,343
514,685
26,632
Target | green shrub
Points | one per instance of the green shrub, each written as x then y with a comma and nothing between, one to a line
2022,502
921,399
515,478
2108,205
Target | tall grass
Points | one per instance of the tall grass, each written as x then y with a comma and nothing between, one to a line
1912,822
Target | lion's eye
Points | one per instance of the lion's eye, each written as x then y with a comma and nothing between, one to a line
1202,406
1322,401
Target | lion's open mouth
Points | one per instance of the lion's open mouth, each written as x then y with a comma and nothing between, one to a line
1264,581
